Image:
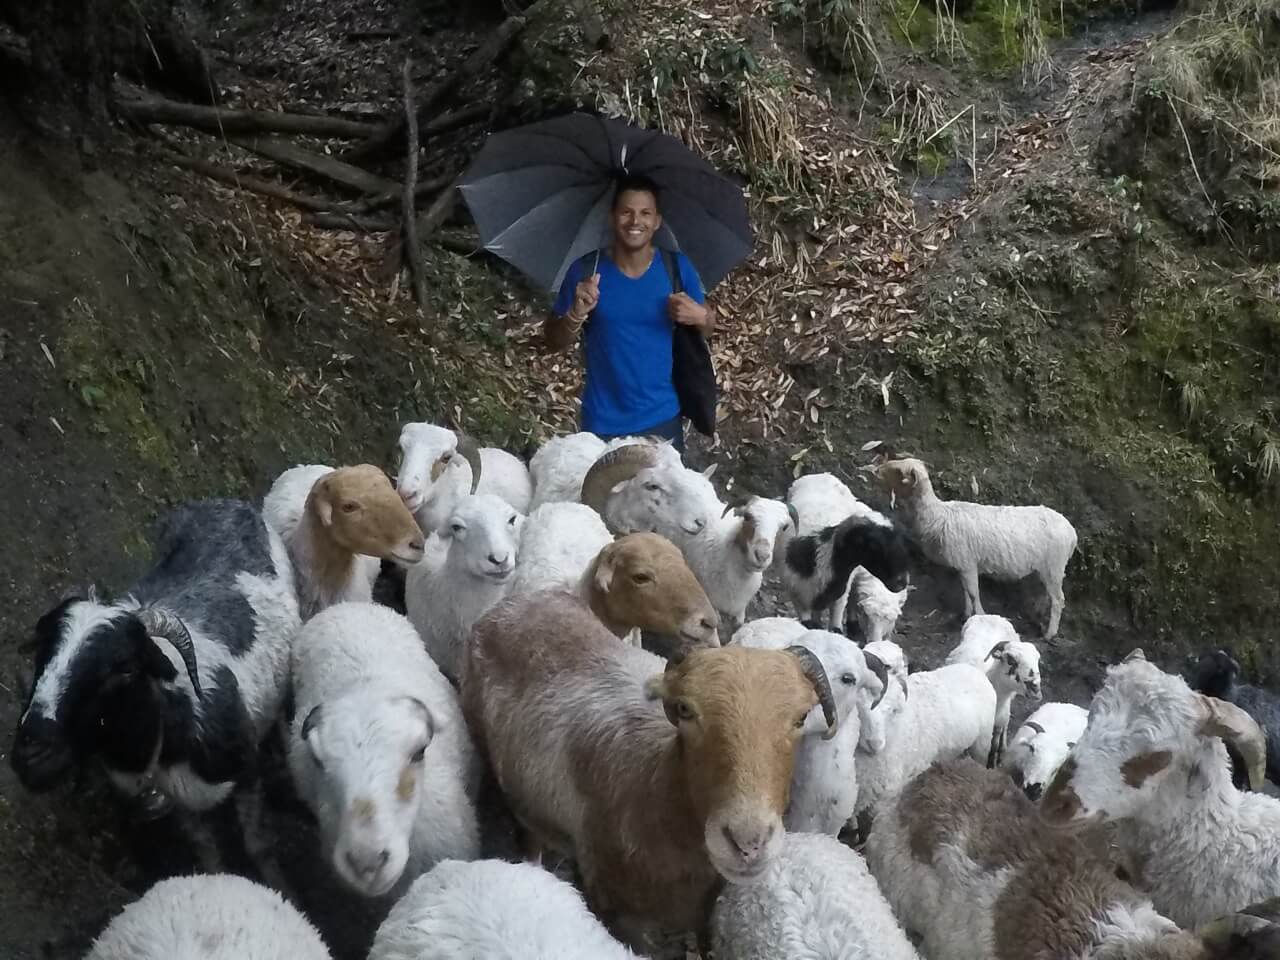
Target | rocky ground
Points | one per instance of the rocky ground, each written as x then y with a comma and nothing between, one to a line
1036,248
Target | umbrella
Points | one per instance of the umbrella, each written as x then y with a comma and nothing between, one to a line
541,196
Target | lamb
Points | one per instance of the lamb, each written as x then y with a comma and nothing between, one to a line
824,785
173,686
731,556
336,525
439,466
558,467
965,862
456,583
210,916
769,633
653,804
1042,743
643,486
817,901
1152,759
875,607
973,538
821,500
494,910
990,643
937,715
378,749
1217,674
817,568
638,582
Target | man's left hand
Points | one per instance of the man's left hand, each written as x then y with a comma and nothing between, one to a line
686,311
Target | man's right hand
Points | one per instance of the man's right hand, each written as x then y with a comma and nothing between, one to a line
585,297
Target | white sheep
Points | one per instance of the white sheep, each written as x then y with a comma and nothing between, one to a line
493,910
938,715
337,524
975,538
1042,743
644,486
1152,760
439,466
769,633
559,466
210,916
990,643
824,785
731,556
817,901
559,541
465,573
379,750
875,607
966,863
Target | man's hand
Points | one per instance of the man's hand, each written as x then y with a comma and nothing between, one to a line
686,311
585,297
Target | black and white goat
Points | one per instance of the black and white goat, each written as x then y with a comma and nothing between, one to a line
174,686
816,568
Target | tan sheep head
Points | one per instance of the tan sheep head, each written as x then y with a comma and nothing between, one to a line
905,478
360,511
739,713
642,580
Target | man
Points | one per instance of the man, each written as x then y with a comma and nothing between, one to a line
632,309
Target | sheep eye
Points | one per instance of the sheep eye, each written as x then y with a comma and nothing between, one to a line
684,711
456,527
651,487
418,755
1031,748
799,724
350,507
642,578
848,679
512,521
446,458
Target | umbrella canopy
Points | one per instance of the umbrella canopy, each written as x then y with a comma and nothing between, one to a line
541,196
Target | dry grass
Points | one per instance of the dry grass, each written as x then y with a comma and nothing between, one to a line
767,125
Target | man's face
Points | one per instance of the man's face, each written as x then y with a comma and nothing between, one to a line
635,219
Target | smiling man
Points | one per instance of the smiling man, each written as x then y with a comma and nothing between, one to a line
628,309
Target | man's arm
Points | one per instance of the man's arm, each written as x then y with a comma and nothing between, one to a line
560,331
687,312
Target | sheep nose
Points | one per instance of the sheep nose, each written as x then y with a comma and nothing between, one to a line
1034,791
496,560
369,867
417,544
747,842
709,624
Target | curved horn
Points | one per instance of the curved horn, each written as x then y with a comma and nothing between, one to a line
877,666
998,649
1233,725
612,468
162,623
469,450
1035,726
811,666
902,682
795,516
1228,936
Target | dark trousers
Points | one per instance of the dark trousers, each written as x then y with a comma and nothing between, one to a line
672,430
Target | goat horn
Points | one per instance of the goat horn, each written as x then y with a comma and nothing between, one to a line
162,623
1223,936
906,688
998,649
880,670
612,468
469,450
1233,725
795,516
309,724
812,668
1035,726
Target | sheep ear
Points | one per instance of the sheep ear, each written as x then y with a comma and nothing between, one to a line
1234,726
1135,654
604,568
795,516
655,688
324,510
413,704
711,471
1035,726
309,728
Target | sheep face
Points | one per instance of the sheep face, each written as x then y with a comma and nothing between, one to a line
96,692
1214,673
362,513
431,456
765,524
642,580
369,753
906,479
665,499
484,533
1020,662
858,682
738,714
1036,755
1146,727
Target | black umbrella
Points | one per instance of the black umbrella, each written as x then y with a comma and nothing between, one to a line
541,196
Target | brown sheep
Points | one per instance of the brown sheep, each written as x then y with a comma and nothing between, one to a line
656,805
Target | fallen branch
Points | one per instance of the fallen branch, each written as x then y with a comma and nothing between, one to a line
356,223
315,163
435,215
390,136
413,255
246,182
213,120
425,188
454,119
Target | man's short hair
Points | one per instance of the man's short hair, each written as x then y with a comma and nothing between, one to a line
634,182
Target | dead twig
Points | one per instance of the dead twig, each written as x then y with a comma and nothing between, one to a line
316,164
340,220
253,184
410,222
213,120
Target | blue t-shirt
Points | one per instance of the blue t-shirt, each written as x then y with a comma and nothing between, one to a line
627,344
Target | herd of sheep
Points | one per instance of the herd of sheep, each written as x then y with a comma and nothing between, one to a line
700,793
